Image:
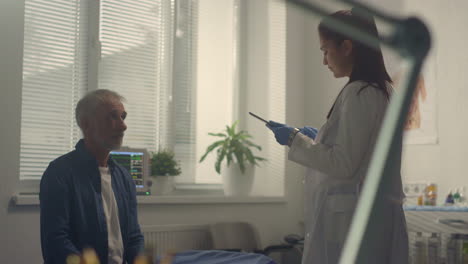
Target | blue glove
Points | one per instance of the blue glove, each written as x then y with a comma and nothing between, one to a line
309,131
281,131
272,124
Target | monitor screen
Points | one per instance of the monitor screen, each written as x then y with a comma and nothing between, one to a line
135,161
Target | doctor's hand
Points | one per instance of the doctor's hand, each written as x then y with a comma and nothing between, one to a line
272,124
309,131
281,131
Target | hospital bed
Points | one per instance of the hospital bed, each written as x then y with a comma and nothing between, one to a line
222,242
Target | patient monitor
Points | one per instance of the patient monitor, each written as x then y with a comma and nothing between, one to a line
136,162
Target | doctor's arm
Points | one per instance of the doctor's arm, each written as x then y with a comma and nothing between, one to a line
355,124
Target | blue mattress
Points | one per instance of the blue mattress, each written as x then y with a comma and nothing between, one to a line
435,208
219,257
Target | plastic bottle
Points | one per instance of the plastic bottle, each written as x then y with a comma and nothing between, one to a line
449,199
454,250
456,197
426,194
432,194
464,246
420,199
420,249
462,197
433,249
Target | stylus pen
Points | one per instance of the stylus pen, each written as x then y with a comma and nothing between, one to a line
256,116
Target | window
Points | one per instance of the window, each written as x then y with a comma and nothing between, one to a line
135,61
54,78
177,62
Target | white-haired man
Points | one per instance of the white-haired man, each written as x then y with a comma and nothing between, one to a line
87,200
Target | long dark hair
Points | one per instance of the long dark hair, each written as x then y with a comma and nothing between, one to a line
368,62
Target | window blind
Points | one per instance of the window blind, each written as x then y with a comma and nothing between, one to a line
185,90
275,169
54,78
149,55
135,61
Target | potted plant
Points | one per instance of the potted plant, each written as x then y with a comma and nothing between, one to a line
163,169
235,148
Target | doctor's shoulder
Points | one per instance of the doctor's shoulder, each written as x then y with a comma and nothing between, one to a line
365,94
353,89
363,88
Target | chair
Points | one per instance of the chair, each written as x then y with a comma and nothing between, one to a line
235,236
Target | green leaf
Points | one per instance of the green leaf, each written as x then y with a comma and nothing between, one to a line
243,135
163,163
249,155
234,146
219,160
229,157
248,142
211,148
232,130
217,134
240,159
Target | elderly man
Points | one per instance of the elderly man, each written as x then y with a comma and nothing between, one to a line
87,200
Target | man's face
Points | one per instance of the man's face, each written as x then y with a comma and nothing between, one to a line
107,127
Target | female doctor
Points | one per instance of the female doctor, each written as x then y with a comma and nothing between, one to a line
338,156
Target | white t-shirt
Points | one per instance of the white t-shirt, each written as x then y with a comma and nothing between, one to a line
112,218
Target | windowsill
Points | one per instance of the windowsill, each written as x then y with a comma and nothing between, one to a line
198,189
208,199
33,199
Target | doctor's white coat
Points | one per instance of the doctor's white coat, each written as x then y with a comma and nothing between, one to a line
337,162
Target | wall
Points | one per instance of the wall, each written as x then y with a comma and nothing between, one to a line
445,162
213,58
19,226
321,87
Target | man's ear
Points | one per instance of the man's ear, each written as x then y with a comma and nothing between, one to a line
347,47
84,124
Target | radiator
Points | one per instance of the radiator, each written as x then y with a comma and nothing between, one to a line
162,239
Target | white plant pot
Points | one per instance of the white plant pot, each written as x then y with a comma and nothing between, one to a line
236,183
162,185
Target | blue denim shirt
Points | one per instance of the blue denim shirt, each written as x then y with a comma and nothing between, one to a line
72,215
